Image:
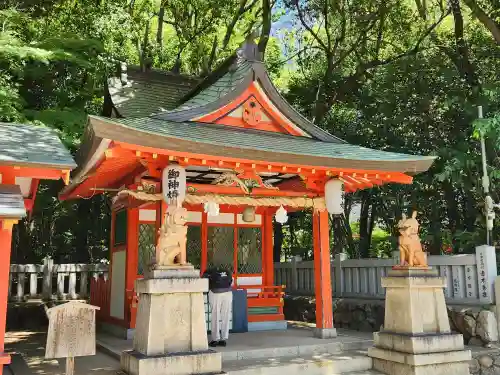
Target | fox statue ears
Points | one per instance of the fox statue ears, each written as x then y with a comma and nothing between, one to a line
414,215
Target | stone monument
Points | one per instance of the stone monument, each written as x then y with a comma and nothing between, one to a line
416,338
171,333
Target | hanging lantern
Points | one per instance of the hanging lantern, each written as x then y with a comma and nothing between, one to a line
248,215
211,208
281,215
334,196
174,184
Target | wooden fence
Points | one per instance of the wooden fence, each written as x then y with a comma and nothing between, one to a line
470,277
49,281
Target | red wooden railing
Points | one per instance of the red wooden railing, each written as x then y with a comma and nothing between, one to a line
265,296
100,294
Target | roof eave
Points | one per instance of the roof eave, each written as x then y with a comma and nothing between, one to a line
119,132
91,153
37,165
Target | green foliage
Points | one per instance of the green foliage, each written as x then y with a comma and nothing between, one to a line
382,244
10,100
399,76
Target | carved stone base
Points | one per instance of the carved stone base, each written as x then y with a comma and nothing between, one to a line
170,316
414,302
171,334
203,362
417,339
418,344
175,271
325,333
445,363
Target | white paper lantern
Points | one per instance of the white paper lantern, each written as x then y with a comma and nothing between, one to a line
174,184
281,215
334,196
211,208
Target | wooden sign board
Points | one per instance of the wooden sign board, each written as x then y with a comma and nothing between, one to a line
71,330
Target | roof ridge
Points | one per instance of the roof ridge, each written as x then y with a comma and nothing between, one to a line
135,69
241,130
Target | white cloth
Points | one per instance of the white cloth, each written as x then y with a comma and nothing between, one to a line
221,304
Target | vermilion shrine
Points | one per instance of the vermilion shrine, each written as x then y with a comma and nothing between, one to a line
247,155
28,154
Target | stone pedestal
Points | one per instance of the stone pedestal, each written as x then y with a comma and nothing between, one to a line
171,333
417,339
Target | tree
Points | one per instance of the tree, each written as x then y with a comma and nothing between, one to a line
345,40
403,76
489,17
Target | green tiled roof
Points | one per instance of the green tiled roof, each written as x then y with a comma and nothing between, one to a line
28,144
149,92
220,135
229,81
224,85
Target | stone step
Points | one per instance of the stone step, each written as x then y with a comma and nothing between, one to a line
254,349
351,363
290,350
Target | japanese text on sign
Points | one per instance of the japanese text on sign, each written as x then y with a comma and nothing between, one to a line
174,184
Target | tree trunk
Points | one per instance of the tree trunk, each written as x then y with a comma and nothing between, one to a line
84,209
464,64
266,27
232,24
436,243
144,48
291,225
159,32
486,20
211,58
451,207
365,226
107,107
322,105
278,241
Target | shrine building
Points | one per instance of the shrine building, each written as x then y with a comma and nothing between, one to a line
249,158
28,154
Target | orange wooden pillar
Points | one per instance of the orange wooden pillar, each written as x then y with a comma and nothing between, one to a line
322,276
5,249
267,249
132,259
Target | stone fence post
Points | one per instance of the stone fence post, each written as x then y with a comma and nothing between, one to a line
294,276
337,272
48,266
396,257
486,273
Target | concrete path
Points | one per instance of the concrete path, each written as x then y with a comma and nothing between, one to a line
295,341
29,358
